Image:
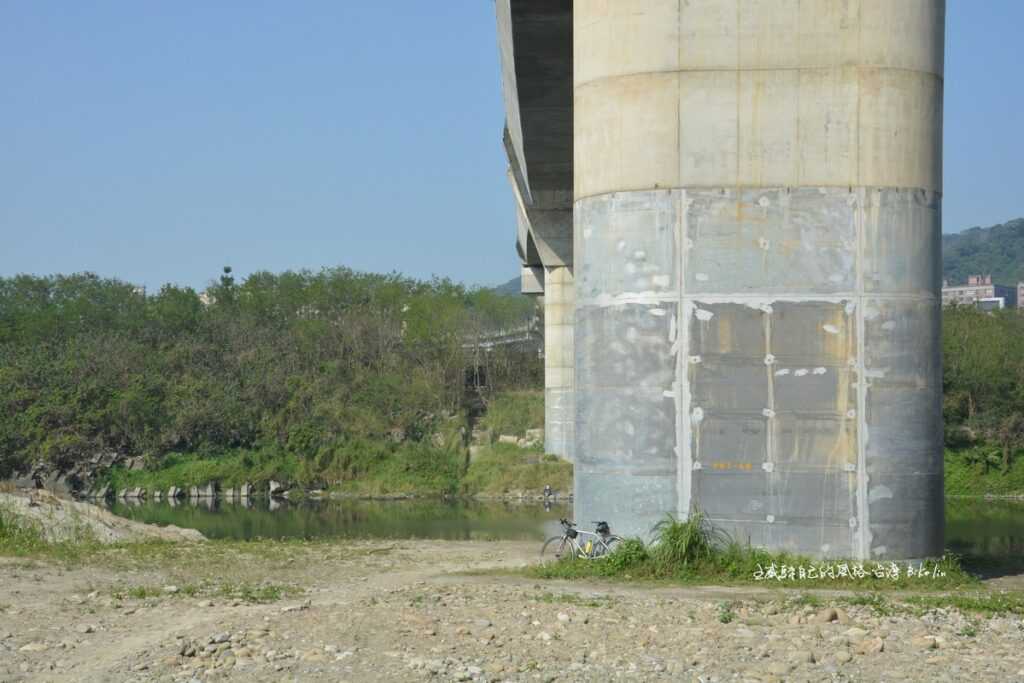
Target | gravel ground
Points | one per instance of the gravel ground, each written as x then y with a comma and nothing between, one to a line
409,611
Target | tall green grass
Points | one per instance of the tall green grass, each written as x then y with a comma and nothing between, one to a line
501,468
513,413
694,551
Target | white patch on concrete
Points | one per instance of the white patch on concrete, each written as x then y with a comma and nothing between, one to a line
831,329
587,232
850,467
629,428
621,245
879,550
703,315
764,202
660,280
639,254
694,360
697,416
769,359
764,243
879,493
851,413
652,298
820,371
801,372
782,372
657,311
696,464
889,325
701,277
850,307
768,412
767,308
770,519
668,393
768,466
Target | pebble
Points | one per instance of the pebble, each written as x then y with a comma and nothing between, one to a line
924,643
825,616
870,646
34,647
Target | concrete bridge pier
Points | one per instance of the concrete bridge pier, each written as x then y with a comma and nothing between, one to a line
559,361
757,203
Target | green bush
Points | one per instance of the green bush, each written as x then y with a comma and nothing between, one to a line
501,468
513,413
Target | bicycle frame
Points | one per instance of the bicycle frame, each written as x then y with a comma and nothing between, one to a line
597,547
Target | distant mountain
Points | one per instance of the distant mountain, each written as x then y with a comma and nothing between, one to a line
996,251
510,288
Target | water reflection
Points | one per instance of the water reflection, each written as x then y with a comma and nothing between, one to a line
262,518
985,528
979,528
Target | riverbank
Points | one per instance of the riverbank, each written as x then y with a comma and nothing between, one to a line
429,610
494,471
978,472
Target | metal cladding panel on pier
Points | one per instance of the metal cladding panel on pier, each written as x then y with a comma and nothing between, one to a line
769,356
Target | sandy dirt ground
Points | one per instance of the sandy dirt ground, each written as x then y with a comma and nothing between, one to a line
439,610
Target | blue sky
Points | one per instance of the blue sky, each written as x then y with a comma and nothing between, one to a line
157,142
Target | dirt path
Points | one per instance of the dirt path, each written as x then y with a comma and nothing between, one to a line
367,611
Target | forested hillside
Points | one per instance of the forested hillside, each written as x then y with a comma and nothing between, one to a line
334,373
998,250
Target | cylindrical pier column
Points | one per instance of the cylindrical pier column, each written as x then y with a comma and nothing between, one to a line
559,361
757,234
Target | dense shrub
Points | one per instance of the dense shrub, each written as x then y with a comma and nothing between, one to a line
317,376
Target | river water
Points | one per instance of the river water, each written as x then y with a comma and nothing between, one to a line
985,528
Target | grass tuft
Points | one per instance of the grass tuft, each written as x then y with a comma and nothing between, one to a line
694,551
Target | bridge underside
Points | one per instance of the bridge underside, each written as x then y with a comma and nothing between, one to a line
734,210
535,39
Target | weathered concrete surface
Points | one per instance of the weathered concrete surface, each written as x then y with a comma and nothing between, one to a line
756,193
757,221
559,361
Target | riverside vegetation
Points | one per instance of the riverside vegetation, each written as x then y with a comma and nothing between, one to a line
367,384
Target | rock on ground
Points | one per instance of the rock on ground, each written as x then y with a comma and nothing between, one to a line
62,519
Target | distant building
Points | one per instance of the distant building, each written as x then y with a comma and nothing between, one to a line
979,291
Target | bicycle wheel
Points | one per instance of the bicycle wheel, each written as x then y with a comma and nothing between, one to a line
607,546
553,548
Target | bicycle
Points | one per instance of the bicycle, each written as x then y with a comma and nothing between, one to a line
570,544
